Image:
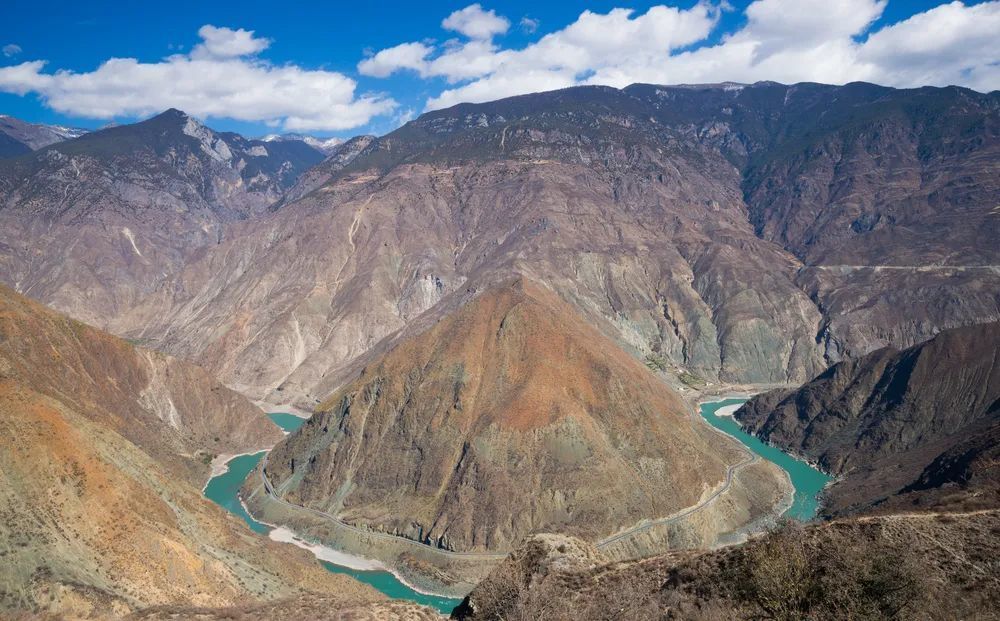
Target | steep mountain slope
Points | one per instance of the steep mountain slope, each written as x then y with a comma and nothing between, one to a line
167,406
18,137
91,225
905,567
931,411
10,147
338,157
645,208
105,449
508,416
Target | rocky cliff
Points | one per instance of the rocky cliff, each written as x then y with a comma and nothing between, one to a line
105,450
918,419
509,416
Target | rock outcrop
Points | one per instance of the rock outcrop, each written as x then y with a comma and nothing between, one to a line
912,566
920,419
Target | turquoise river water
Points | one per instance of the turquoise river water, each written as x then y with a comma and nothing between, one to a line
223,490
808,481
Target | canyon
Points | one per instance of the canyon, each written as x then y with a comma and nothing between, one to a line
501,318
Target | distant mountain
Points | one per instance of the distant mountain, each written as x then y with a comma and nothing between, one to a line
337,159
653,210
92,225
106,448
18,137
736,233
326,145
925,419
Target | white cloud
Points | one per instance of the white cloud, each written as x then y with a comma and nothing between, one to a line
951,43
227,43
475,23
528,25
220,78
24,78
783,40
11,49
594,43
403,56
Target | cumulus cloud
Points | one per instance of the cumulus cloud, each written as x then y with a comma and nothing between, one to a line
951,43
475,23
403,56
222,77
11,49
593,44
227,43
782,40
528,25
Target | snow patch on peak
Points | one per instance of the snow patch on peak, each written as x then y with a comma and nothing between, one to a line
322,144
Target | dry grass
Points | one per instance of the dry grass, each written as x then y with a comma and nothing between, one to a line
895,567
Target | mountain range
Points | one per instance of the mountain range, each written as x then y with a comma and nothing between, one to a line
663,214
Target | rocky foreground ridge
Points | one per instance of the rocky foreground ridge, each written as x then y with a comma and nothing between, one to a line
920,566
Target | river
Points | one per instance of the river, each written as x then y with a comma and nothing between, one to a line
807,481
224,491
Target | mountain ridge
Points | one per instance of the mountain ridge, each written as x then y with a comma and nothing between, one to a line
895,422
105,452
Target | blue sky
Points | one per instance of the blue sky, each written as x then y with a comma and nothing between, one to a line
302,61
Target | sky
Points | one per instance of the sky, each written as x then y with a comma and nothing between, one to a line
342,69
